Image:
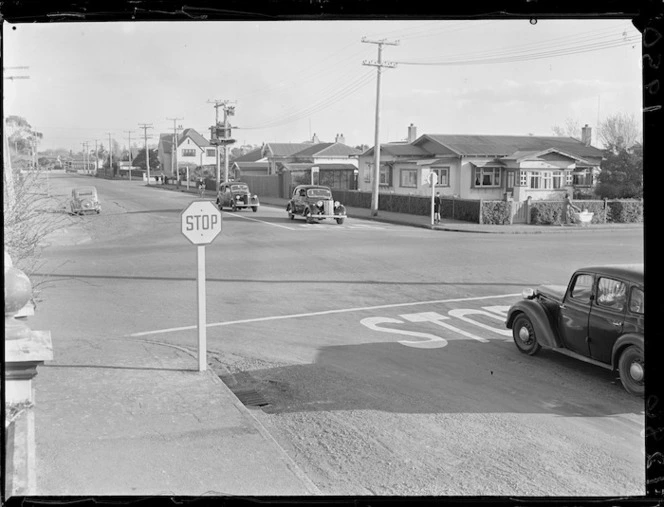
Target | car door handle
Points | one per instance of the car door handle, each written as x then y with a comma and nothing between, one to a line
617,324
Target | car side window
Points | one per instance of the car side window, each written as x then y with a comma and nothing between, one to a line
303,192
611,293
636,300
582,288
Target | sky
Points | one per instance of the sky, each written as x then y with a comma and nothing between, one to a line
289,80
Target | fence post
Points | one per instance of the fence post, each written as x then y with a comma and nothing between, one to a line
606,209
25,350
481,211
528,201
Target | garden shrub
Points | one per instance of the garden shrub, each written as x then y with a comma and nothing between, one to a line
496,212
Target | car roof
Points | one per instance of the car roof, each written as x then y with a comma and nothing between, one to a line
313,186
85,189
631,272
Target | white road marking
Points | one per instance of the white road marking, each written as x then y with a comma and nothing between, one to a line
437,318
325,312
431,340
260,221
500,310
462,312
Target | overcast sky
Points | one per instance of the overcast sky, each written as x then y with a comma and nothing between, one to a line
289,80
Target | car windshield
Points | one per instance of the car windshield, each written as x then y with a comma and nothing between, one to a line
319,192
85,192
239,188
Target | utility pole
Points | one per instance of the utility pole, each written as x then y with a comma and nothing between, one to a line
110,153
7,172
228,111
214,139
129,132
174,166
145,128
84,156
379,64
96,159
224,138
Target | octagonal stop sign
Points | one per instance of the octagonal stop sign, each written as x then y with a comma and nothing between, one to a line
201,222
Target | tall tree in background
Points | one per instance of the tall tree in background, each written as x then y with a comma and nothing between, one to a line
622,173
619,131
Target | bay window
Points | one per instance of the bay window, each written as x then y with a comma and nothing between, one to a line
487,177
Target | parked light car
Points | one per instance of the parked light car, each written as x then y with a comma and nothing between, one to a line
598,318
315,202
85,200
235,195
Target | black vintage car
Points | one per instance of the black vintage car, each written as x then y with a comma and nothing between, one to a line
235,195
315,203
597,318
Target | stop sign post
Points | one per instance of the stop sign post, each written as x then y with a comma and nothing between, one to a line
201,224
433,181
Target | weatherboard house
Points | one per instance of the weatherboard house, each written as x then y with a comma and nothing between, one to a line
192,150
485,166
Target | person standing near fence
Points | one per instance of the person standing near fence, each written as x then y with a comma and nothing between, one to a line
436,208
568,206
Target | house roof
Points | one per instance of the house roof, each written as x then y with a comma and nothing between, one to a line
398,149
251,156
285,149
194,136
507,145
304,166
251,165
328,150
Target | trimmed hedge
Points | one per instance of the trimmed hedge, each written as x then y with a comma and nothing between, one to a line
622,211
496,212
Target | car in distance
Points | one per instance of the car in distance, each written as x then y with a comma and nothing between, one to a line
235,195
84,200
315,203
597,318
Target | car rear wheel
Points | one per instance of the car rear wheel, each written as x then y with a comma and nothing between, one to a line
630,367
524,336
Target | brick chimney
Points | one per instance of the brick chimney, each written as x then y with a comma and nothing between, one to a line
412,133
586,135
340,139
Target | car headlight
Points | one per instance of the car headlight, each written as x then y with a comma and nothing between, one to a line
528,294
337,204
255,196
238,197
319,204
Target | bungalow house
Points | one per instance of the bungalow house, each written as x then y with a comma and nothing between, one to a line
252,163
192,150
332,164
485,166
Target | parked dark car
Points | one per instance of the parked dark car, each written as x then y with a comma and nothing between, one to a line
315,203
598,318
235,195
83,200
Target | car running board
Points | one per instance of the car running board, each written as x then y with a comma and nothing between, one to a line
576,355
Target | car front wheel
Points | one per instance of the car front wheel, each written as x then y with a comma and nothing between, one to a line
630,368
524,336
340,221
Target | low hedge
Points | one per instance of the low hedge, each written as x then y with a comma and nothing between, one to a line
496,212
624,211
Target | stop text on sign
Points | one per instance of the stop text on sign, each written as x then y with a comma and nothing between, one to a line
197,222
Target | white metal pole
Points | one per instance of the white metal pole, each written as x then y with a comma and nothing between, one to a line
202,337
376,173
433,191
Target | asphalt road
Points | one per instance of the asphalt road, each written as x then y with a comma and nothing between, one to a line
379,349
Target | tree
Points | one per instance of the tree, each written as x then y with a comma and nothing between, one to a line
619,131
571,128
622,173
139,159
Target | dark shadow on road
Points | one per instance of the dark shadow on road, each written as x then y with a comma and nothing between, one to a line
391,377
108,367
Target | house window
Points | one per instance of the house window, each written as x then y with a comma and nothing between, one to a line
582,178
523,178
443,176
568,178
487,177
557,179
188,153
385,176
210,152
535,180
408,178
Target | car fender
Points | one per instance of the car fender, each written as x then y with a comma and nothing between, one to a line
546,336
623,342
290,206
341,209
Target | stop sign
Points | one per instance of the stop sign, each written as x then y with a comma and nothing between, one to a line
201,222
